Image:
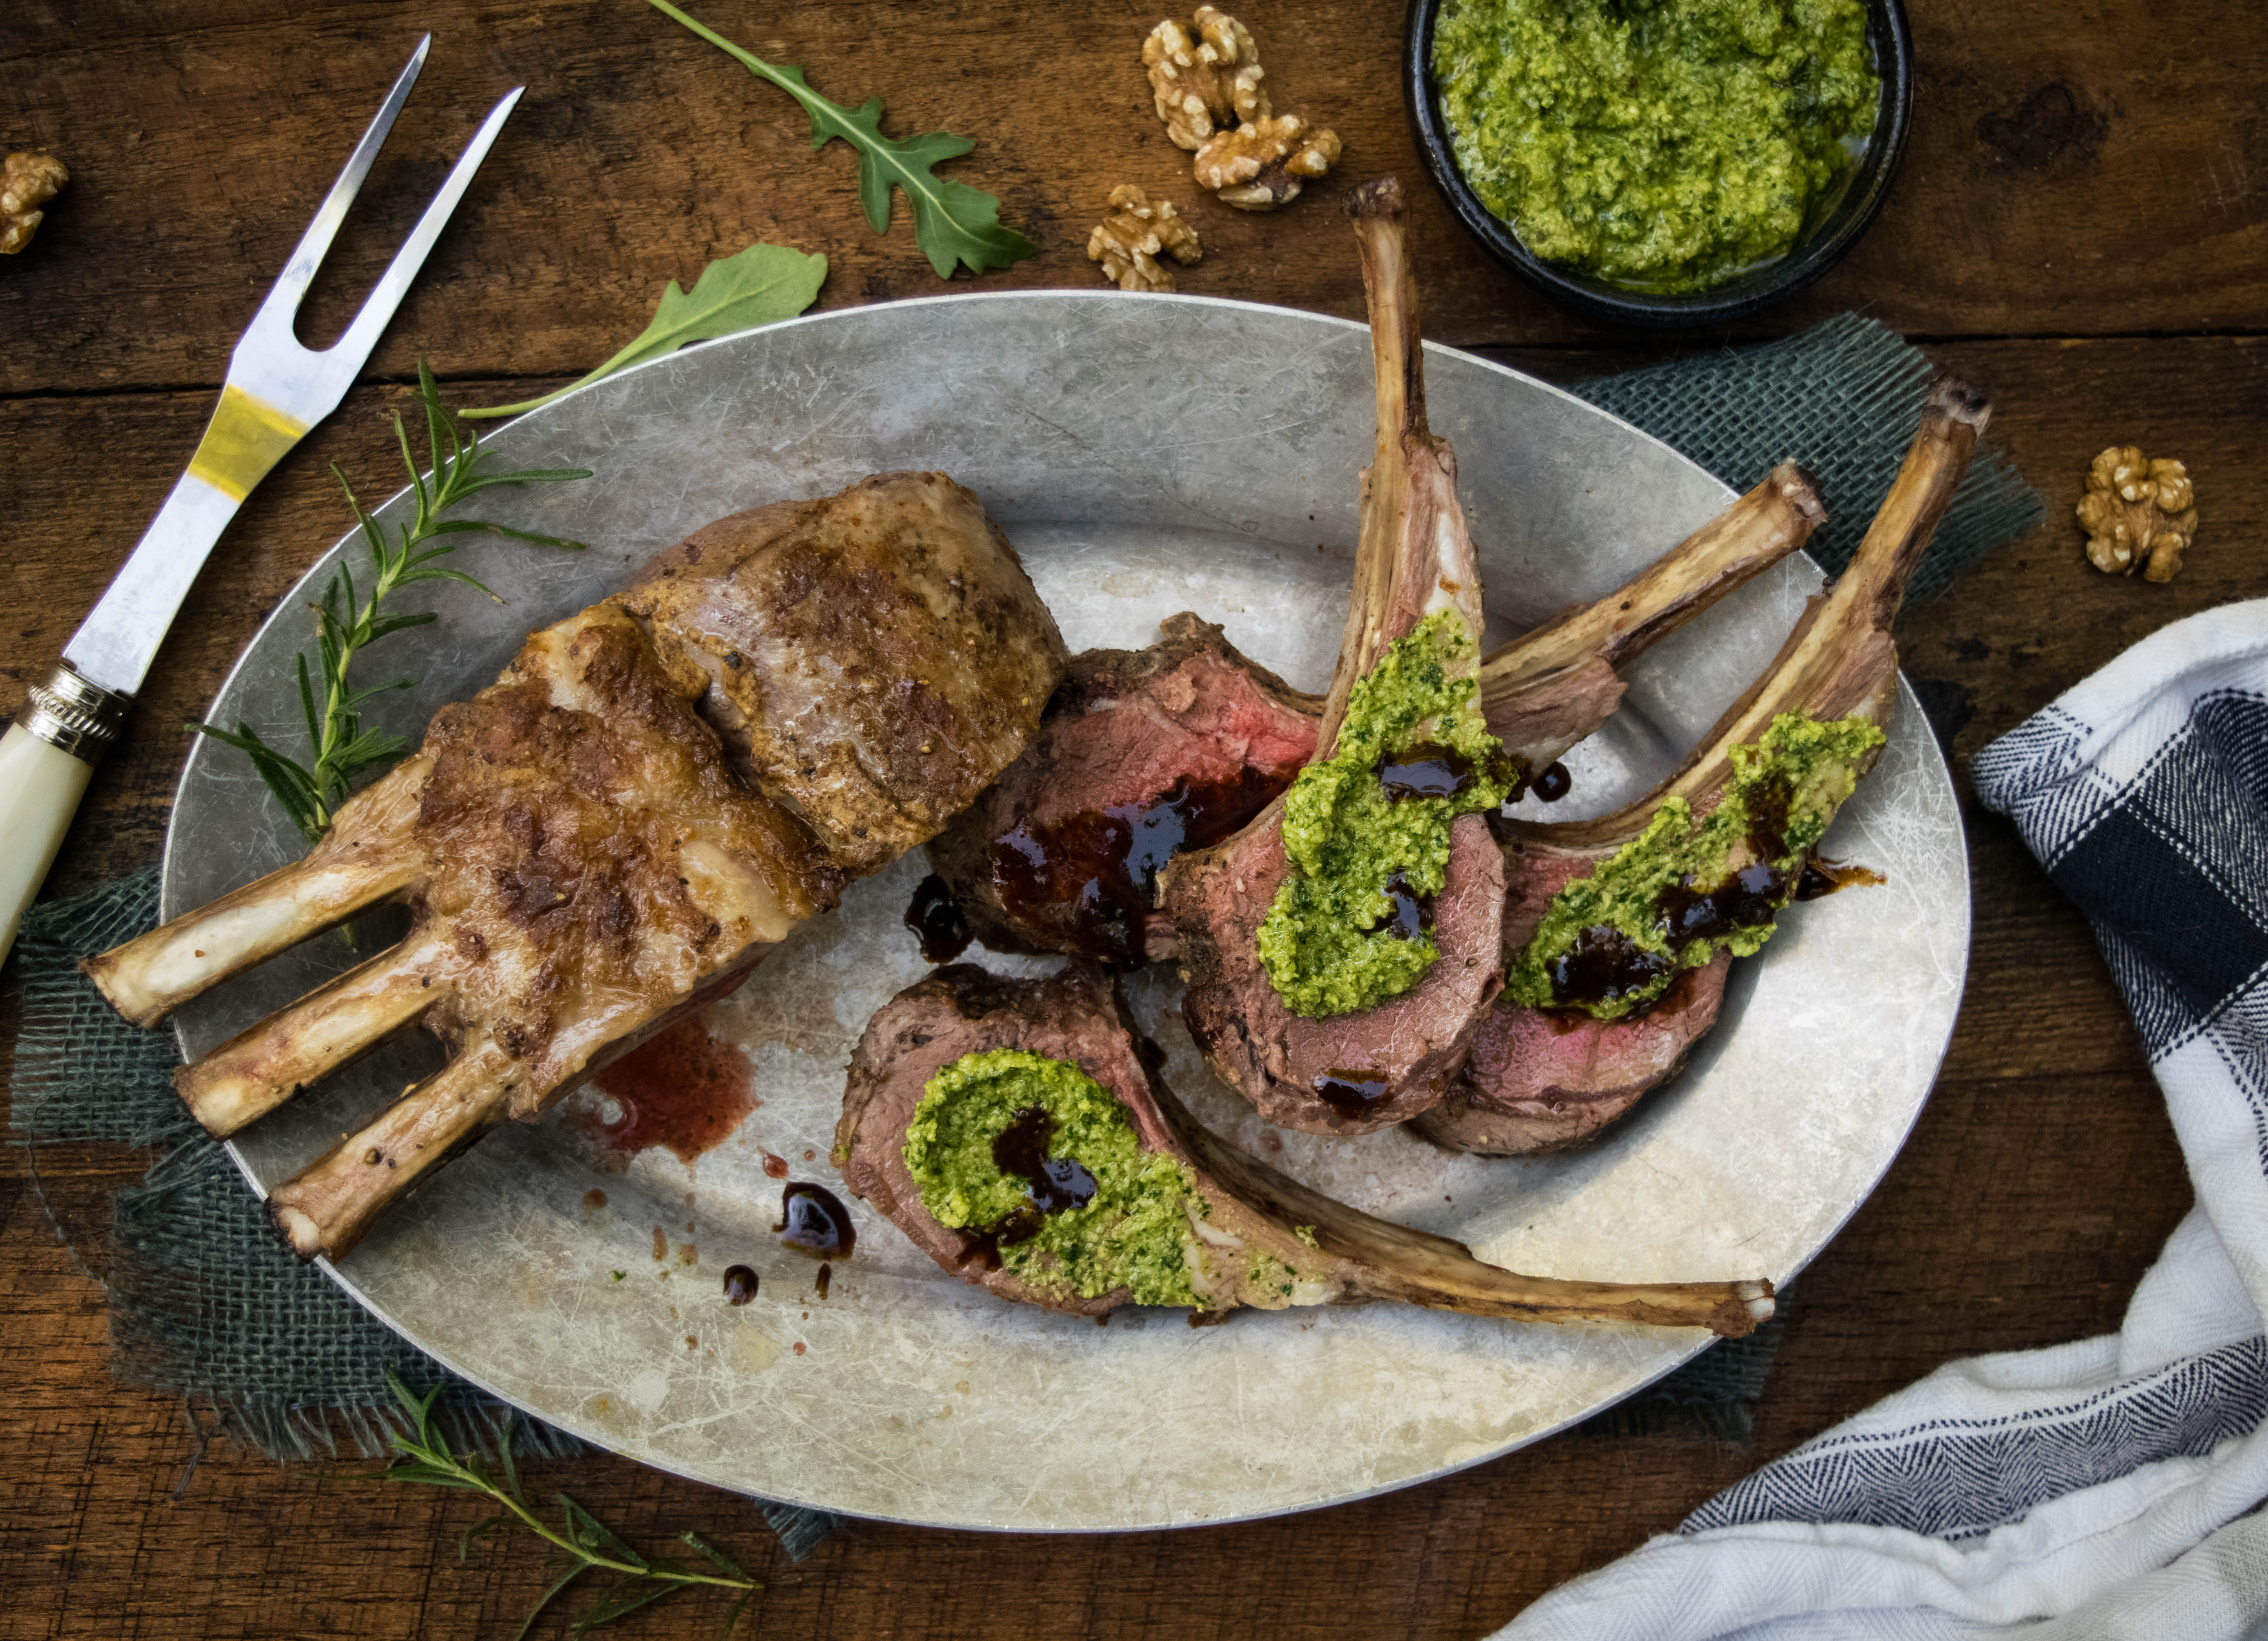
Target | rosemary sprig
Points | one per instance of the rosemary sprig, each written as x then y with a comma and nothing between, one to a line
585,1544
348,622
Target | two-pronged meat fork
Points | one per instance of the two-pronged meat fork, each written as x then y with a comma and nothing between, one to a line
276,391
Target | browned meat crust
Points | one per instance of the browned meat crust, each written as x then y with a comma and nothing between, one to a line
863,653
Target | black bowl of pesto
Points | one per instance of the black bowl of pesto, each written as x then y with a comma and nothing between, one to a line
1667,163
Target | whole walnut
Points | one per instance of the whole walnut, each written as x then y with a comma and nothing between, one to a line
1129,240
1206,83
27,181
2137,514
1261,166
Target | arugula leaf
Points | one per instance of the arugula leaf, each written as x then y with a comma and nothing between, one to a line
757,286
954,223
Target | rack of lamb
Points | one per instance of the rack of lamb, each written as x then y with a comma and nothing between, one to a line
656,791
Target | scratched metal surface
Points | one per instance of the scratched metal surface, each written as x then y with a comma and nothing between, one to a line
1146,455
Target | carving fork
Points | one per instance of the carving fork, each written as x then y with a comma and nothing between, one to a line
276,391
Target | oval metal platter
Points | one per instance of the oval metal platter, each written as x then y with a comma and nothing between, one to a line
1146,455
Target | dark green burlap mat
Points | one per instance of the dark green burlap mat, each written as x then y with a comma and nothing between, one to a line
204,1300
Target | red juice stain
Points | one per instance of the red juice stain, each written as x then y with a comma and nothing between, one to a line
798,1347
683,1089
777,1167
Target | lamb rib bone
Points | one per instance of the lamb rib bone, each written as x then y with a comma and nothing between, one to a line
586,859
1247,1247
1412,557
1538,1079
1044,860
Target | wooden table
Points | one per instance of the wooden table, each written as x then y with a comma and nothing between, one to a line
2078,226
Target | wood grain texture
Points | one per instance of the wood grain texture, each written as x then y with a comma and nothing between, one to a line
2079,176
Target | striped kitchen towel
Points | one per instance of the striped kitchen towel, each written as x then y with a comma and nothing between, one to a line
2106,1488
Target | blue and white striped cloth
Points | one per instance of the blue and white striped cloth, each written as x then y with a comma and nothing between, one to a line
2106,1488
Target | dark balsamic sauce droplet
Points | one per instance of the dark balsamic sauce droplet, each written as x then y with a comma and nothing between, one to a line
1350,1093
814,1222
1552,785
1090,879
1426,770
1412,913
1057,1184
935,916
825,1274
740,1284
1747,899
1602,965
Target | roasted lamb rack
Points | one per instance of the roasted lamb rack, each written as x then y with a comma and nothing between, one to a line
1314,1054
1152,1207
1146,753
1589,1025
654,793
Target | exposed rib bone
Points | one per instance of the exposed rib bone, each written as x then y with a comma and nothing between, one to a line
268,1063
366,858
1386,1261
1840,659
1536,1082
327,1206
1551,687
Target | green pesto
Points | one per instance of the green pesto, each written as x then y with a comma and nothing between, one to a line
1134,1233
1819,765
1660,144
1321,941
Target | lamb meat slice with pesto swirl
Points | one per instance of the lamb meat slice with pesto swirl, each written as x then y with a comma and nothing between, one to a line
1340,949
658,790
1146,753
1017,1131
1619,933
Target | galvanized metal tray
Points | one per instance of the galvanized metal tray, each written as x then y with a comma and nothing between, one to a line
1146,455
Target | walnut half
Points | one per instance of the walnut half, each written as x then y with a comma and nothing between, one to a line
1261,166
28,181
1129,240
2138,514
1206,83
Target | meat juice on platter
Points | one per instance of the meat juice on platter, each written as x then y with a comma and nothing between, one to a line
683,1089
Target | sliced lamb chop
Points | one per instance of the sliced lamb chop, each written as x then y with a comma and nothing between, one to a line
1355,1072
1146,753
1543,1077
1239,1232
585,860
1143,752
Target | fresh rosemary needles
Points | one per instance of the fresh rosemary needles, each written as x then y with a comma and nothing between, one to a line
348,621
586,1545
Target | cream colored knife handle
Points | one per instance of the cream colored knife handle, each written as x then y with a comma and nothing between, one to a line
47,758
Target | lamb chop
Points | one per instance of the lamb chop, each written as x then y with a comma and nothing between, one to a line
1108,1193
1146,753
654,793
1341,950
1617,943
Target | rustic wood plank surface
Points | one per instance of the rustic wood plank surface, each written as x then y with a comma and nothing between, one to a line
2079,224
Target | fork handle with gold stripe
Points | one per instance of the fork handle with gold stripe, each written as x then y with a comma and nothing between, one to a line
276,391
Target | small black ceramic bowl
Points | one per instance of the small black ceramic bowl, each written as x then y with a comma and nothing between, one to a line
1819,250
